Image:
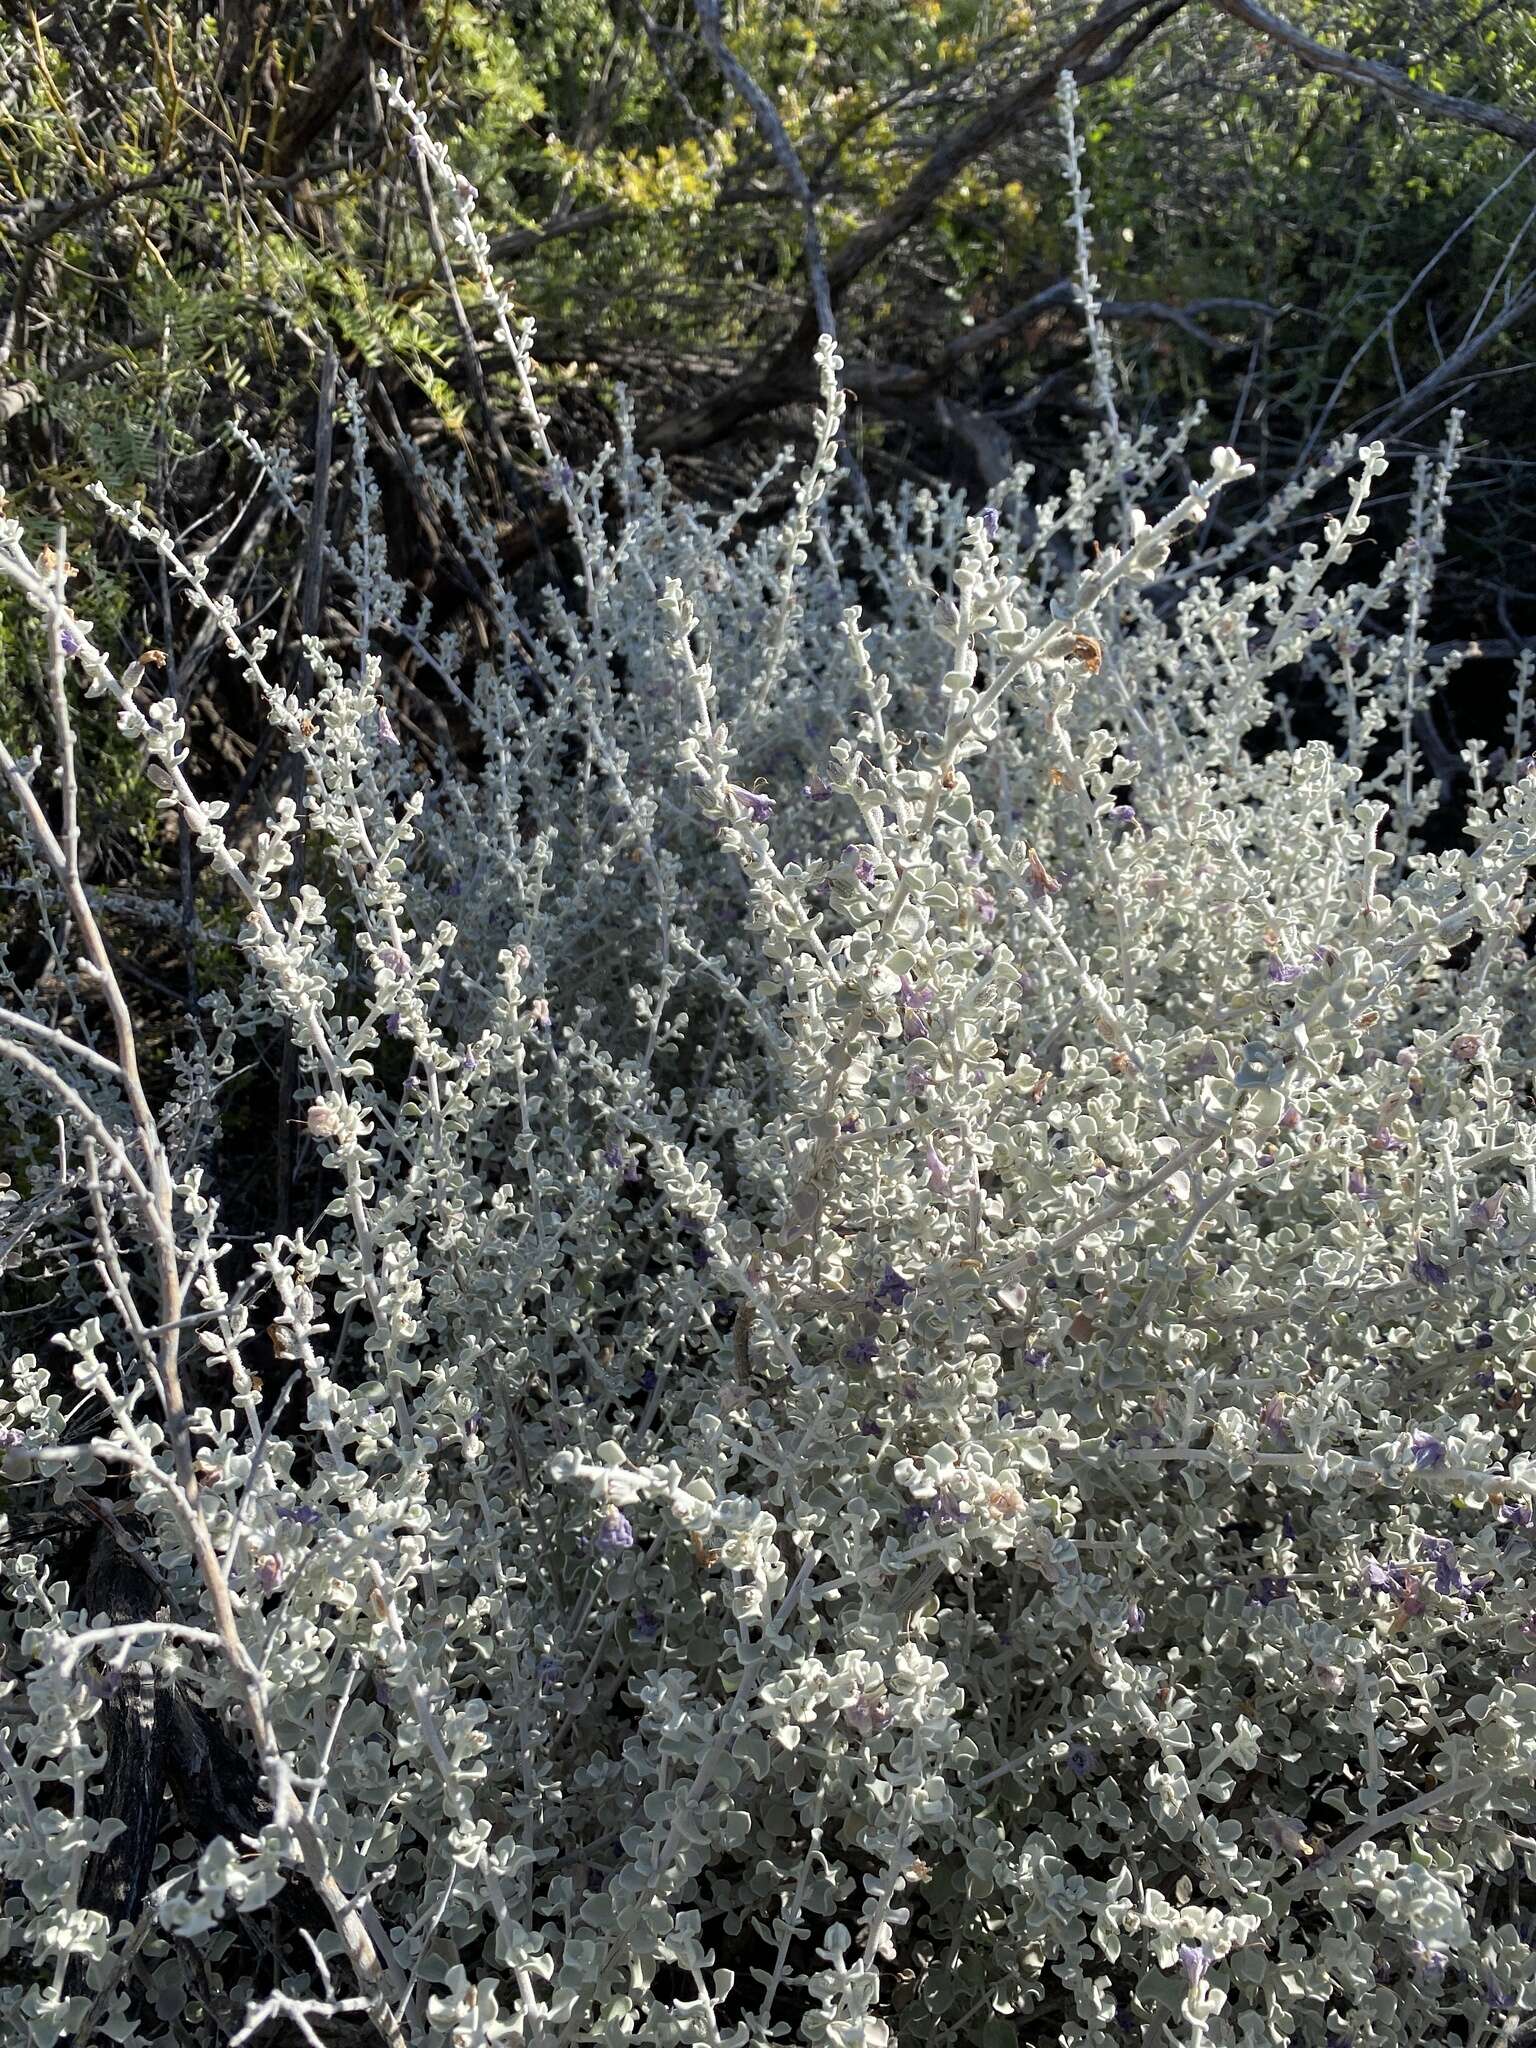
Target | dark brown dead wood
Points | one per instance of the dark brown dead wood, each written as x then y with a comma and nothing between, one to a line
328,88
158,1741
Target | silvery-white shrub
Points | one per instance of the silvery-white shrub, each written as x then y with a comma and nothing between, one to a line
911,1411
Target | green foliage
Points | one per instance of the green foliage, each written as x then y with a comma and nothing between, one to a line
179,257
1220,167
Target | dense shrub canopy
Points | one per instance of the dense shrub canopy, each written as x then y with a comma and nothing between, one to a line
870,1384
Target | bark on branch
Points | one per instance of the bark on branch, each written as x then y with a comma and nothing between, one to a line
328,88
743,83
785,373
1381,77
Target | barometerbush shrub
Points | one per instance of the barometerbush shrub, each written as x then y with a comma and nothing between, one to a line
910,1420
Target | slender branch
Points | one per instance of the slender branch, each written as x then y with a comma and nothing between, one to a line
741,80
324,94
16,399
1429,388
154,1191
311,596
904,380
786,374
50,217
1380,77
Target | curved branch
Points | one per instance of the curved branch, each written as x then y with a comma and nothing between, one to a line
785,374
1429,389
742,82
1381,77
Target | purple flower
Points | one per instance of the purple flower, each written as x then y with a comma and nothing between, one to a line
759,808
648,1379
1428,1963
948,1510
867,1715
1194,1961
918,1078
1449,1577
69,642
1517,1513
916,1513
894,1289
1428,1452
912,1002
386,731
847,1125
1411,1599
304,1515
989,521
986,905
816,790
1272,1415
1272,1586
862,1351
1081,1759
938,1172
1121,814
1426,1270
1283,970
1381,1578
646,1625
549,1671
615,1534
